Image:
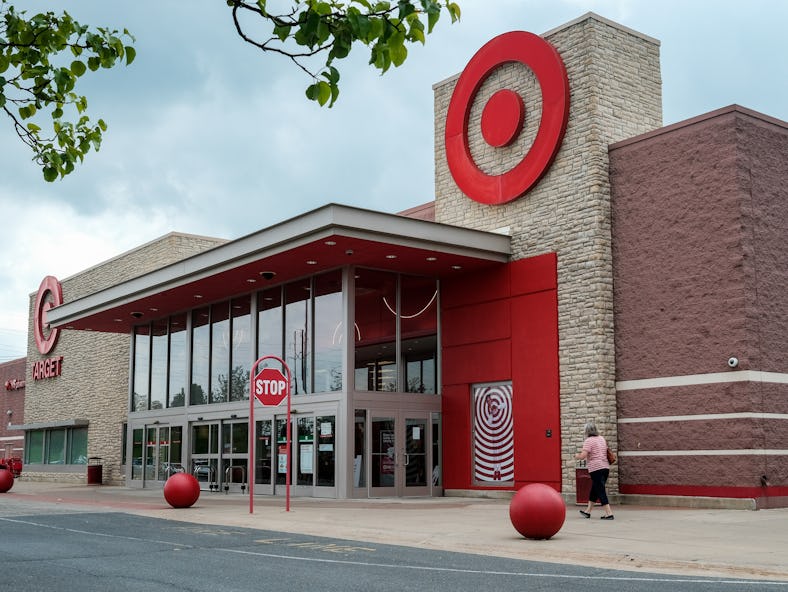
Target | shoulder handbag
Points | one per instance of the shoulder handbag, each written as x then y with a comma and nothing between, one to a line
611,456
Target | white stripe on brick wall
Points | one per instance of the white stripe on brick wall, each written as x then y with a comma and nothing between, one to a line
704,416
741,452
695,379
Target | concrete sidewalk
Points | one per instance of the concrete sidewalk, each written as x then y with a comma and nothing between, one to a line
720,543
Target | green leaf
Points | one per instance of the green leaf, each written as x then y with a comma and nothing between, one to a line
282,31
432,19
131,53
319,91
322,8
398,53
78,68
323,92
50,174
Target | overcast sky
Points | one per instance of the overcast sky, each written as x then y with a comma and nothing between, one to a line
208,136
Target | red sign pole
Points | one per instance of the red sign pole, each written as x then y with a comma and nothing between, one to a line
287,462
252,442
270,387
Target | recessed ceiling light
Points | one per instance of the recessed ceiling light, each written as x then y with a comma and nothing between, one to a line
391,256
432,258
311,262
153,309
198,295
118,320
456,266
330,243
251,280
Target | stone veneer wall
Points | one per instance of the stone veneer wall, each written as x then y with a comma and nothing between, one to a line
96,365
615,86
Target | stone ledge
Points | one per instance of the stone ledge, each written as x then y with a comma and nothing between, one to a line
685,501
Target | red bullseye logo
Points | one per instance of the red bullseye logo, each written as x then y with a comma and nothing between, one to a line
50,295
503,116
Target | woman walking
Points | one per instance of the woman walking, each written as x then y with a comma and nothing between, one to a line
595,454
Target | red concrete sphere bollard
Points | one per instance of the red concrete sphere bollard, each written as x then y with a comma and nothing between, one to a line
181,490
6,480
537,511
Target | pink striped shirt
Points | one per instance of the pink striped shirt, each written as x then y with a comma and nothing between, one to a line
596,446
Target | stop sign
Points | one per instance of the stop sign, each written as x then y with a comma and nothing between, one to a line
270,387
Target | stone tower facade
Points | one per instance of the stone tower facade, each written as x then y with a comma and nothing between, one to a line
615,93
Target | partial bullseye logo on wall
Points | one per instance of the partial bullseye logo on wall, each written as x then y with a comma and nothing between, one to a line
493,434
503,116
50,295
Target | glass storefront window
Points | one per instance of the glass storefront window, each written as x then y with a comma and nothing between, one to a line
263,453
306,451
220,352
419,333
326,454
395,328
136,453
241,354
328,332
34,447
200,358
281,452
235,438
297,334
376,330
78,449
269,322
57,446
158,365
360,449
139,397
178,368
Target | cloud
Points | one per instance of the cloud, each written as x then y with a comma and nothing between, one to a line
209,136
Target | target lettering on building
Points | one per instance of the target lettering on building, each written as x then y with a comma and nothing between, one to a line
503,116
49,296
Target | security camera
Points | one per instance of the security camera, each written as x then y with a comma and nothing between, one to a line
268,275
137,315
733,362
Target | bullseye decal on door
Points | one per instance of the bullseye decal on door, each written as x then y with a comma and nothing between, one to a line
502,119
493,433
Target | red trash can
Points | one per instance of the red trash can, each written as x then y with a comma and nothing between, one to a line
582,486
95,471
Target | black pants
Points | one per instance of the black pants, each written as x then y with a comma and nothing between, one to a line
598,480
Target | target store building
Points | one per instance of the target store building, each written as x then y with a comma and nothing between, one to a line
579,262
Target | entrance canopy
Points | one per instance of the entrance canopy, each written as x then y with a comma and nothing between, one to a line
325,238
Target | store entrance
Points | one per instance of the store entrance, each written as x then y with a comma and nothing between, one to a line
156,452
400,453
312,456
219,455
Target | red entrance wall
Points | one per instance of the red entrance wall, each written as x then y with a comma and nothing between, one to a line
501,325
